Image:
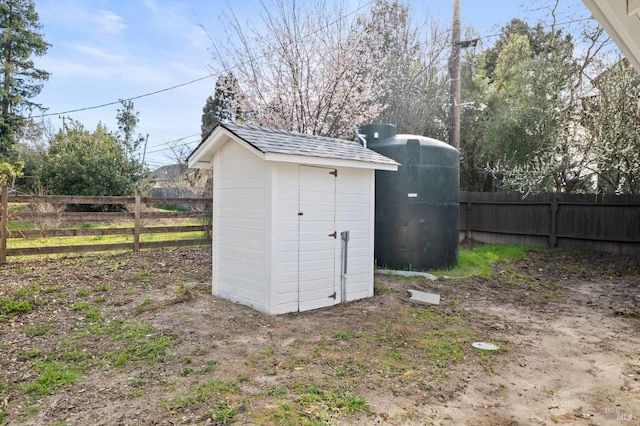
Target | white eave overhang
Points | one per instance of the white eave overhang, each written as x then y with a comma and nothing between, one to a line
326,162
202,156
621,20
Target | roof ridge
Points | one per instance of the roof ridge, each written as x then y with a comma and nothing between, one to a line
288,132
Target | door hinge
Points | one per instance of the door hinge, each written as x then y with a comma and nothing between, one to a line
333,296
334,235
334,172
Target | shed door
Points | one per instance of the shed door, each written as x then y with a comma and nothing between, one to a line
317,243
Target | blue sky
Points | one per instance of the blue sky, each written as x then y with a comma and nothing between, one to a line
106,50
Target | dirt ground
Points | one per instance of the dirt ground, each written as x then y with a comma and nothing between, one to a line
567,325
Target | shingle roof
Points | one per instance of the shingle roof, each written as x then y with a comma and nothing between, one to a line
292,143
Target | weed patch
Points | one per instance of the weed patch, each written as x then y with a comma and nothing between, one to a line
222,413
202,393
325,405
538,290
37,330
142,343
10,307
52,375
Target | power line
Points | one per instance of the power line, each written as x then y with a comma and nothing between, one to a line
179,139
192,81
558,24
186,144
129,99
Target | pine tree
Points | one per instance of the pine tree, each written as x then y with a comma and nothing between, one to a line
20,39
224,105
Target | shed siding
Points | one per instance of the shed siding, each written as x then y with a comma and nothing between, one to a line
354,213
285,261
240,226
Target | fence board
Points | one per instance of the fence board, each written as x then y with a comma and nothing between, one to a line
80,232
182,228
174,200
175,243
48,233
169,215
69,199
29,251
81,248
101,217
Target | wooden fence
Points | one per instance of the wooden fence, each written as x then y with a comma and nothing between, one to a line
595,222
133,221
608,223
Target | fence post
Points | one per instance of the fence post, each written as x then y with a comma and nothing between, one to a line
553,240
4,216
467,231
136,225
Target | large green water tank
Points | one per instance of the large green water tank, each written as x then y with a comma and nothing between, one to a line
418,207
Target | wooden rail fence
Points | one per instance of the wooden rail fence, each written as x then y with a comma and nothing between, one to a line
609,223
596,222
135,216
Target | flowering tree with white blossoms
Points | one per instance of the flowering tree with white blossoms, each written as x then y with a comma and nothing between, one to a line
534,138
315,68
613,119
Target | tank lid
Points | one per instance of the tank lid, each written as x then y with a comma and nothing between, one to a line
424,141
377,131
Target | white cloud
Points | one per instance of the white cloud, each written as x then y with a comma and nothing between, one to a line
79,17
151,5
109,21
97,53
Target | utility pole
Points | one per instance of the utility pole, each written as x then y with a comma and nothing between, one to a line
454,74
144,153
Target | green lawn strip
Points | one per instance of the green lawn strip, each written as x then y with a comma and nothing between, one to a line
15,243
479,260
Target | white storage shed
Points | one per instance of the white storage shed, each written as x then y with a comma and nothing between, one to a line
291,213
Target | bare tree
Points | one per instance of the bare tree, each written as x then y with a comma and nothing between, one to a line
191,180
